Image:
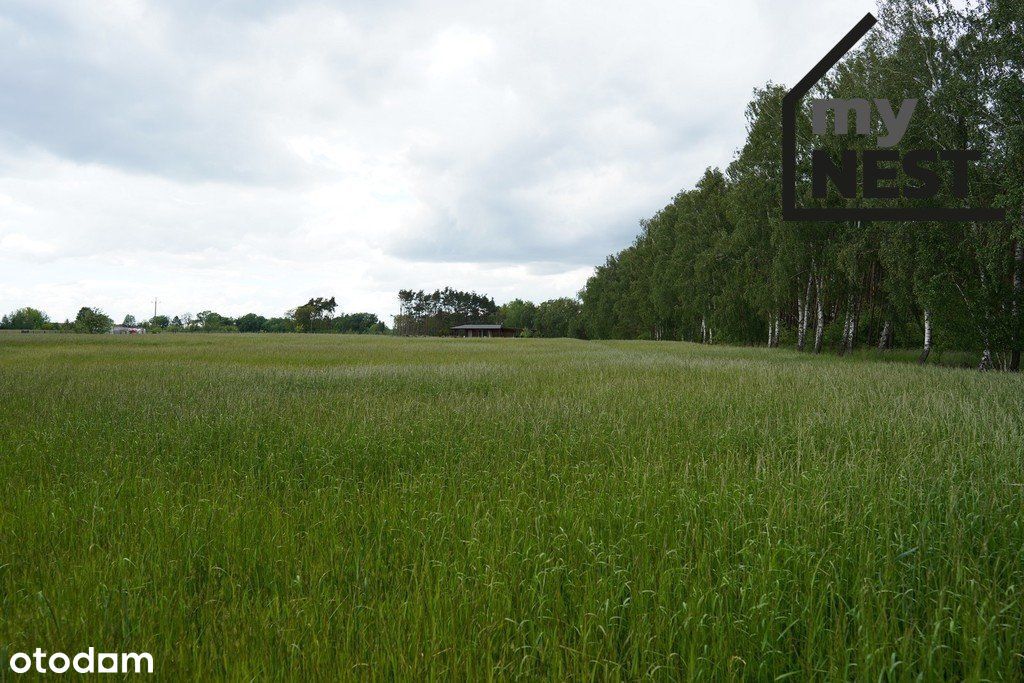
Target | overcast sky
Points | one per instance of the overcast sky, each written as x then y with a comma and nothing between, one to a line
245,155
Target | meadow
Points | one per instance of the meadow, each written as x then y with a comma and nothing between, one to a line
342,507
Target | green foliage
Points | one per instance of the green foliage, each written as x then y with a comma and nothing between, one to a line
325,507
314,315
559,318
279,325
92,321
251,322
27,318
359,323
519,314
718,264
209,321
435,313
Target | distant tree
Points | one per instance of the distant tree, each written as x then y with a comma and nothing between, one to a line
92,321
315,314
280,324
520,314
210,321
187,321
302,316
250,322
27,318
560,318
176,324
159,322
435,313
359,323
129,321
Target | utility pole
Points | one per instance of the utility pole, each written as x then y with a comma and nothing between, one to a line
155,300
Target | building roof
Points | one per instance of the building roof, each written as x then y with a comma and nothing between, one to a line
482,327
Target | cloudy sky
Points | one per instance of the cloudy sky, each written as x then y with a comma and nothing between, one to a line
244,155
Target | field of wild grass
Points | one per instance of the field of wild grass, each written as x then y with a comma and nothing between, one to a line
328,507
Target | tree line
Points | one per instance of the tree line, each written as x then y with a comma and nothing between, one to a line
435,313
423,313
562,317
88,321
316,315
718,264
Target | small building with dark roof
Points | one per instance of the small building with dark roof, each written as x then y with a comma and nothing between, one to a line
483,331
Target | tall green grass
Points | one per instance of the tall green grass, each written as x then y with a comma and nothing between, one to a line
325,507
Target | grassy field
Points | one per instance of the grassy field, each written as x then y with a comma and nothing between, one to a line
338,507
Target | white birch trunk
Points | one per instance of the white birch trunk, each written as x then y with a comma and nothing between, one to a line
1018,266
854,321
805,314
801,324
883,339
850,327
926,351
846,331
819,327
773,331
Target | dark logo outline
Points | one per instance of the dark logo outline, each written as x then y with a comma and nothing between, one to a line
790,211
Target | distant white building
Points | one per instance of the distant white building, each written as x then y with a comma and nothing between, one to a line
124,329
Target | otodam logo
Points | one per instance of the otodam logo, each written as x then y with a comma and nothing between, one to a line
878,165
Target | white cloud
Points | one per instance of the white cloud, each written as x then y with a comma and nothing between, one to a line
247,155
